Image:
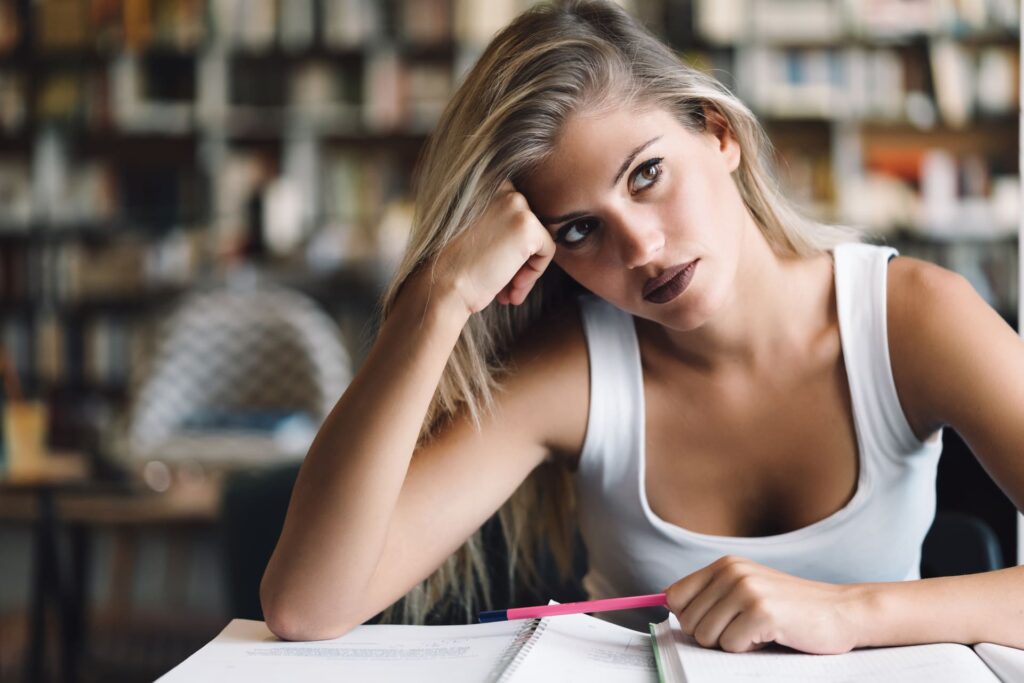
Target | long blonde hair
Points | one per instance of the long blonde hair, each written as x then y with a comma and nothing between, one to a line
503,120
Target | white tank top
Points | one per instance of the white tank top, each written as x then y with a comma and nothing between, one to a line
877,536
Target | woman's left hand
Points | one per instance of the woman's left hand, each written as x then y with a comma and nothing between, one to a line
739,605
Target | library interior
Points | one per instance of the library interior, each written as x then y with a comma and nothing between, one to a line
201,204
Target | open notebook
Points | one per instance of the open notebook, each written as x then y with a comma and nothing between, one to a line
681,660
565,648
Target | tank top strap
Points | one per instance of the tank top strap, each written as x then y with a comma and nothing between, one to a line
861,277
615,421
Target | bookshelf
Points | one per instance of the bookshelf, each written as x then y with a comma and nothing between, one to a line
147,146
897,117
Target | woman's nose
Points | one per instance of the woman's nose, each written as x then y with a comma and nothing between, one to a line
640,244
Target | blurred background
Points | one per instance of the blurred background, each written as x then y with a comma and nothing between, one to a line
201,201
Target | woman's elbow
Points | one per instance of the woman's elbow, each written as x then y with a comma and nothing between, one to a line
288,622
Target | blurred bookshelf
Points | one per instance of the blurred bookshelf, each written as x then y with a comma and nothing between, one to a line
150,146
898,117
147,146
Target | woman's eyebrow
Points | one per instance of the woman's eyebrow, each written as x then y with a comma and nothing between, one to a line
555,220
632,155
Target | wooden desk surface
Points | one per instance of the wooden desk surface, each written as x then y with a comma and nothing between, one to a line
80,500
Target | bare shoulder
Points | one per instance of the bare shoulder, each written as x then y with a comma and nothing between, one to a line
548,381
934,317
919,291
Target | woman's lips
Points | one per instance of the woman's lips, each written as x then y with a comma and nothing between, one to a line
670,284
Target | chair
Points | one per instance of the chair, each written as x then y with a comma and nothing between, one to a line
959,543
262,350
253,506
227,352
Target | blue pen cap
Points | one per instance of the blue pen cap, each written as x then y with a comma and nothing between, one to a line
493,615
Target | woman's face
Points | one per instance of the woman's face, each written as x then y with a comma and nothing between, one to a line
633,199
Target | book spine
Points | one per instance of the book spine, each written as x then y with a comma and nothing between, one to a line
513,655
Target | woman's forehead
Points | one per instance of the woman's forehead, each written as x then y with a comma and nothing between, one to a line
591,147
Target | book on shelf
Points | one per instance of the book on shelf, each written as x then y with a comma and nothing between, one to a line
326,96
350,24
109,346
71,272
681,660
50,349
428,88
297,24
477,22
15,194
880,83
954,80
62,25
13,101
426,22
730,22
384,102
247,24
10,26
817,21
69,25
947,195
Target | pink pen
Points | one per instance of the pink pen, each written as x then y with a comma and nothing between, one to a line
607,605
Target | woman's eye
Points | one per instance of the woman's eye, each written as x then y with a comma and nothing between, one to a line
646,175
574,233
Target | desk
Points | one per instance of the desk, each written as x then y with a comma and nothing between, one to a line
63,498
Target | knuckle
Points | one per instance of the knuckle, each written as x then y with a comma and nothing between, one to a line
748,587
518,201
672,598
728,561
760,608
747,582
704,637
735,572
731,643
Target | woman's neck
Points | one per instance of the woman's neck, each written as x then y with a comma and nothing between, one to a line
776,307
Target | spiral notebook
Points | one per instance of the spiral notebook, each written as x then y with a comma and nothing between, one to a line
682,660
565,648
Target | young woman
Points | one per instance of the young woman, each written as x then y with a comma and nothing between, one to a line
740,408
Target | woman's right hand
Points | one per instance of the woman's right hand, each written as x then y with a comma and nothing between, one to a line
501,256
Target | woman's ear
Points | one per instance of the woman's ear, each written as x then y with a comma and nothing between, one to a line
717,125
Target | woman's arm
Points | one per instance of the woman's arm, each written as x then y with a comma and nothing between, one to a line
739,605
367,520
977,608
956,363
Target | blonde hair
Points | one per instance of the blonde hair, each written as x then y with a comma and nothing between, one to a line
552,61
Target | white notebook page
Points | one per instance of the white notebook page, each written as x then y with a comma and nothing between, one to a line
577,647
1006,662
939,663
247,652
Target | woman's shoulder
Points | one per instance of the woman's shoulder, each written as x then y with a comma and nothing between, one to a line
919,293
927,308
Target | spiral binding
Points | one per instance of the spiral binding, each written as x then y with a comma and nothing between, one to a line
517,650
